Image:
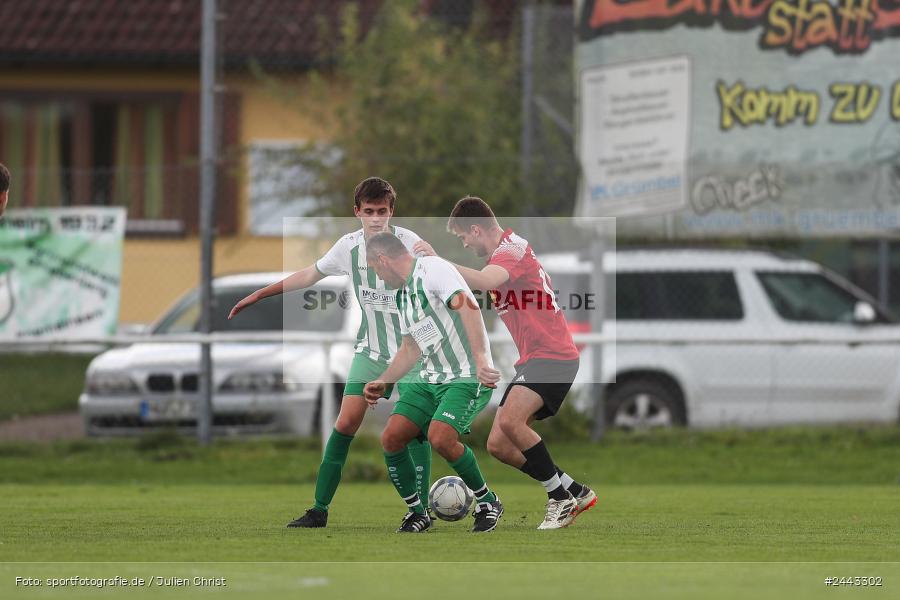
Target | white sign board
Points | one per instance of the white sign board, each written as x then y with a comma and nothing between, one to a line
634,138
60,272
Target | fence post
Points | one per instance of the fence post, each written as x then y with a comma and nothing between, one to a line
207,203
527,141
598,286
326,410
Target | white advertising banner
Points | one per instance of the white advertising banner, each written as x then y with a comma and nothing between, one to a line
60,272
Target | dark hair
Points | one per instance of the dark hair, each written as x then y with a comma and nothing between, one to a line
469,211
4,178
385,243
374,189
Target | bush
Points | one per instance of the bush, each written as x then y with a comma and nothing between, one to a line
433,109
568,425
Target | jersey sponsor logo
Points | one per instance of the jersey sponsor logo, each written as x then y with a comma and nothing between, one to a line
380,300
426,333
448,415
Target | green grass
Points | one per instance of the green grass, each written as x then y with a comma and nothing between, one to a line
220,523
22,374
681,515
836,456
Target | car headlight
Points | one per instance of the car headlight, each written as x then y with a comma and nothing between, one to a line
110,384
259,382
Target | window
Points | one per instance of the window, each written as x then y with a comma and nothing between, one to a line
35,139
120,146
137,150
683,296
130,140
863,270
810,297
283,183
306,313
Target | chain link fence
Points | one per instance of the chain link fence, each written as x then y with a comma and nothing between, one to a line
443,99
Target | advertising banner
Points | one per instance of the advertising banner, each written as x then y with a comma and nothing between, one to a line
60,270
722,117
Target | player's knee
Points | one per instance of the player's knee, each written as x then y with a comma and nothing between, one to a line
348,424
443,442
392,441
438,442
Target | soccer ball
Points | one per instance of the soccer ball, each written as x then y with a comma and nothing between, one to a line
450,499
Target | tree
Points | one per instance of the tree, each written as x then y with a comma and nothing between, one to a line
431,107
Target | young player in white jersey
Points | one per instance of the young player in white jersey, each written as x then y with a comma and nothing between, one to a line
377,341
441,324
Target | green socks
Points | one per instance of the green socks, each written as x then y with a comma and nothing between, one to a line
420,452
329,476
336,451
403,475
467,468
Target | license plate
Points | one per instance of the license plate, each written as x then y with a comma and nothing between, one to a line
167,409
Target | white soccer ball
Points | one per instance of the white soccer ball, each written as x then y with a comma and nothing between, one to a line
450,499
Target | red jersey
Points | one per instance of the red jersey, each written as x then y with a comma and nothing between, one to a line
527,304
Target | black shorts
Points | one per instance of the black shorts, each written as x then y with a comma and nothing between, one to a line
549,379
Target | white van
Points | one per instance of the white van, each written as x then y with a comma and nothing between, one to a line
794,342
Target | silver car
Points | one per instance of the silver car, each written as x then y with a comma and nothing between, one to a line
717,338
259,387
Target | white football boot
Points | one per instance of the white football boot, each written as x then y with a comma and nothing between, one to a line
559,513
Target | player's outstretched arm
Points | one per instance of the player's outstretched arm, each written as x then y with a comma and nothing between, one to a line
299,280
407,355
489,278
474,326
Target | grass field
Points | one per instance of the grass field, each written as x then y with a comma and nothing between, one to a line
682,514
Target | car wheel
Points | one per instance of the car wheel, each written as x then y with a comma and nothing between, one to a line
643,404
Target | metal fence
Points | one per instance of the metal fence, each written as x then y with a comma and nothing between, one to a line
313,96
722,345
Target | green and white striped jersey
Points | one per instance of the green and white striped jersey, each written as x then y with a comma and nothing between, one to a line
436,327
379,333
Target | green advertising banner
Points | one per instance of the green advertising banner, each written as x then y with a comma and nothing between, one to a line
60,270
740,117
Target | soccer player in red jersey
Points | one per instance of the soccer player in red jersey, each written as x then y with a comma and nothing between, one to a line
523,297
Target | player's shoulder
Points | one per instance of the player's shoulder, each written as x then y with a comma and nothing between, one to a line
512,245
433,265
431,262
407,236
404,234
354,238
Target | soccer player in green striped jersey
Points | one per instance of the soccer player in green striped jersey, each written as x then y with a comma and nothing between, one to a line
441,326
378,338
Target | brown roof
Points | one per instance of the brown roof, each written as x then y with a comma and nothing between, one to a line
287,33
